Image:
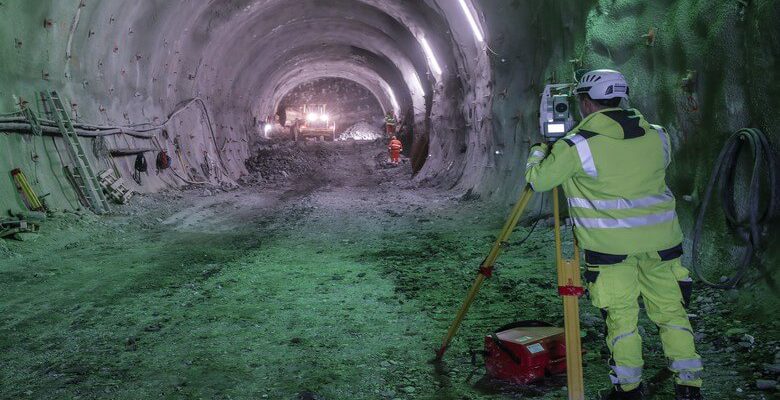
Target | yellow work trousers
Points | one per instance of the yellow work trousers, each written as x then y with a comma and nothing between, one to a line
616,288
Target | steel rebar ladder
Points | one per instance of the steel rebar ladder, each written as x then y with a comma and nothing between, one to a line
84,175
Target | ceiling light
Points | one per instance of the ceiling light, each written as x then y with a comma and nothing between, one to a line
418,84
393,100
431,58
472,21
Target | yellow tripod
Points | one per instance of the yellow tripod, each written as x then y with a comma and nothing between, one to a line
569,287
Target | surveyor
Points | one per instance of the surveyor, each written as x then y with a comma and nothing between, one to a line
395,148
390,122
612,166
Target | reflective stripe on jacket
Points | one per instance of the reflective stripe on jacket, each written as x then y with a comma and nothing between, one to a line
612,167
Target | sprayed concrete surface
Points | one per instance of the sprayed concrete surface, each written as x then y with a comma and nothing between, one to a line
334,284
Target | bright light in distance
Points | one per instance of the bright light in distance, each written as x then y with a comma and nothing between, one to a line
312,117
472,21
431,58
324,117
556,128
267,128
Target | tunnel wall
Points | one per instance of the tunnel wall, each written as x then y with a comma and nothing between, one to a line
734,51
124,63
128,63
71,48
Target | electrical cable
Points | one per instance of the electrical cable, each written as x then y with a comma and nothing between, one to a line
749,229
7,124
179,109
533,227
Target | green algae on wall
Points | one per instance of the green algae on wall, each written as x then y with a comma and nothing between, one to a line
732,50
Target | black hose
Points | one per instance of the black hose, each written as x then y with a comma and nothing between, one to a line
533,227
750,229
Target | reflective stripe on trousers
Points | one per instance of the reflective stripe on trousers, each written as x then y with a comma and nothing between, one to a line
679,328
621,204
688,370
692,364
622,336
622,375
586,157
630,222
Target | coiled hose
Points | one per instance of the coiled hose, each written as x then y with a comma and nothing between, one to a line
748,229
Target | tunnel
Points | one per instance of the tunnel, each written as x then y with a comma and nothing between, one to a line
290,199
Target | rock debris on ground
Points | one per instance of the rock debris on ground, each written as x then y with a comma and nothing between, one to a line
336,282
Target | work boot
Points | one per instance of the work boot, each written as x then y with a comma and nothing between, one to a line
682,392
615,394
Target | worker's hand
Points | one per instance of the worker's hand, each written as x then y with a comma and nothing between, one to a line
542,147
537,154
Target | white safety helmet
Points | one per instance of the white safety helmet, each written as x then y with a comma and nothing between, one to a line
603,84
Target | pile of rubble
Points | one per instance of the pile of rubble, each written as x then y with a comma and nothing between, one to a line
361,131
279,160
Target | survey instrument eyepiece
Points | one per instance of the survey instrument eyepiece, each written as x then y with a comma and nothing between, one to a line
555,116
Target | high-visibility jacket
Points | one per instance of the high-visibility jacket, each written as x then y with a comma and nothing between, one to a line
612,167
390,120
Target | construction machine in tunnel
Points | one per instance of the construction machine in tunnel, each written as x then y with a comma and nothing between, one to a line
160,238
312,121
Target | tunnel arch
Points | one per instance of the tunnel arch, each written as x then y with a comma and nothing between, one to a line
224,53
329,71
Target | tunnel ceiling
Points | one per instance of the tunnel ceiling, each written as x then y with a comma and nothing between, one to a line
240,49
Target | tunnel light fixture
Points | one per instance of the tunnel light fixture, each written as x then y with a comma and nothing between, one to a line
434,64
472,21
418,84
393,100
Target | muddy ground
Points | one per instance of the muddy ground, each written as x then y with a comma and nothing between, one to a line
334,280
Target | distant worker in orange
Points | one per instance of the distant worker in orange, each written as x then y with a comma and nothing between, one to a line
395,147
390,122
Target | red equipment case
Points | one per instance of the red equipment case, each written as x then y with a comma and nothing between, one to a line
525,352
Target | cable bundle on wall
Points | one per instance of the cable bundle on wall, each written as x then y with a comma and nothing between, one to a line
749,229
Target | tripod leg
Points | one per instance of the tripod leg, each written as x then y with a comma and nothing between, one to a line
486,269
570,288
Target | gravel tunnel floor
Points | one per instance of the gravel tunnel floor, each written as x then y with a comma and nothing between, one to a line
335,283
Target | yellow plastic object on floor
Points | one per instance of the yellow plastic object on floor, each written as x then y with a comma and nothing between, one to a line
33,201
